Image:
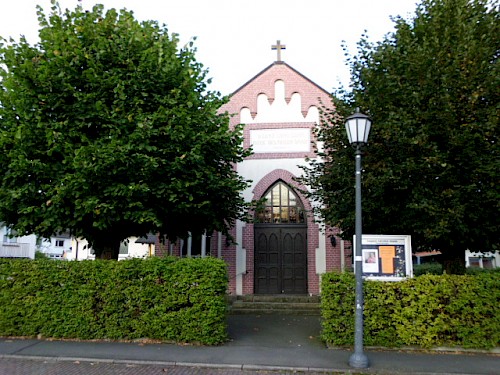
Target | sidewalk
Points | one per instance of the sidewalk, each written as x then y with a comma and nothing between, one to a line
258,342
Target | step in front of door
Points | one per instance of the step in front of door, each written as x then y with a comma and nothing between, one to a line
278,298
288,305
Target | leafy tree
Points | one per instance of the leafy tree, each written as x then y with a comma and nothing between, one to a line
107,130
431,168
40,255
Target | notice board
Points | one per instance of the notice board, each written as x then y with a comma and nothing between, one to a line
386,257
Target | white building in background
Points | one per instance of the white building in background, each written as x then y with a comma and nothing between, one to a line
56,247
482,260
63,246
134,247
485,259
13,246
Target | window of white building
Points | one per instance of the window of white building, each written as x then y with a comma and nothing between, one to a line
482,262
9,235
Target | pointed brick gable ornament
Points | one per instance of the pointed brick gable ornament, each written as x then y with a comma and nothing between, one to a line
264,83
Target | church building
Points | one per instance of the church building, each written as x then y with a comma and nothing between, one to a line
284,250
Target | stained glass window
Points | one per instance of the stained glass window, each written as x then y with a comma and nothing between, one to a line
281,206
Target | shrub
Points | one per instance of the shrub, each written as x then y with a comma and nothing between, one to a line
478,270
40,255
427,311
432,268
172,299
337,308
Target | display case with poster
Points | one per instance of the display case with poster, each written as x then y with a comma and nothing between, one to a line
386,257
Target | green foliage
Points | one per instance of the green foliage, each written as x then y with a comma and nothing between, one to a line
431,165
477,270
337,308
108,131
434,268
431,268
40,255
170,299
427,311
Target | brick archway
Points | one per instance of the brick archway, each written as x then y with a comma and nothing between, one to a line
280,174
312,231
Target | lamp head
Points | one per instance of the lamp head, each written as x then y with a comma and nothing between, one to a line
358,128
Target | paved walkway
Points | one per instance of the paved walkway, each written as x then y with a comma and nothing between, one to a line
260,344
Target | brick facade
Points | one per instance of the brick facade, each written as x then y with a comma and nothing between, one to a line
295,101
264,83
275,155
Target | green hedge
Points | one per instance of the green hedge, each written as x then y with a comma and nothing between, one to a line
434,268
477,270
431,268
427,311
169,299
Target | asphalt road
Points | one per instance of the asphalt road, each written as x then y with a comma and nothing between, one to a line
258,345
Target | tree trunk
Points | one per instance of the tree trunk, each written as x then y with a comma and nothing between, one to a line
106,250
454,262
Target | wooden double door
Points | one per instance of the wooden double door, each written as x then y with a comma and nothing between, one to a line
280,259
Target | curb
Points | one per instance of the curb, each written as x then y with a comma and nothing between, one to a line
438,349
242,367
221,366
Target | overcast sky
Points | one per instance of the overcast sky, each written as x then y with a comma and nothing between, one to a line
234,37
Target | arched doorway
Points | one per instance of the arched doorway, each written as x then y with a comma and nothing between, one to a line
280,243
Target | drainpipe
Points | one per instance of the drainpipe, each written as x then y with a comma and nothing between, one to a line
342,256
203,245
219,245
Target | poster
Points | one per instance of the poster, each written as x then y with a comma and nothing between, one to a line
386,257
370,260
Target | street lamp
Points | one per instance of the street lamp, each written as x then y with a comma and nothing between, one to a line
358,127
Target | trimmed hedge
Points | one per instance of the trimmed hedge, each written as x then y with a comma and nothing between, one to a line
434,268
431,268
426,311
168,299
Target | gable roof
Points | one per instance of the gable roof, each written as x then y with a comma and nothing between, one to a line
270,67
264,83
148,239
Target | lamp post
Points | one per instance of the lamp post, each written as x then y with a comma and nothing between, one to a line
358,127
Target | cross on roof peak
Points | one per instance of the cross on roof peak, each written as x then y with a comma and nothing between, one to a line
278,46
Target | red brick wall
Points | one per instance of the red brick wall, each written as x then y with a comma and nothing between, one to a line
248,244
312,231
161,248
264,83
246,97
228,250
229,256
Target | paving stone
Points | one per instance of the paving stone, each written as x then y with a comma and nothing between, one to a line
15,366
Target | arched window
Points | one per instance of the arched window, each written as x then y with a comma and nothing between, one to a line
281,206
